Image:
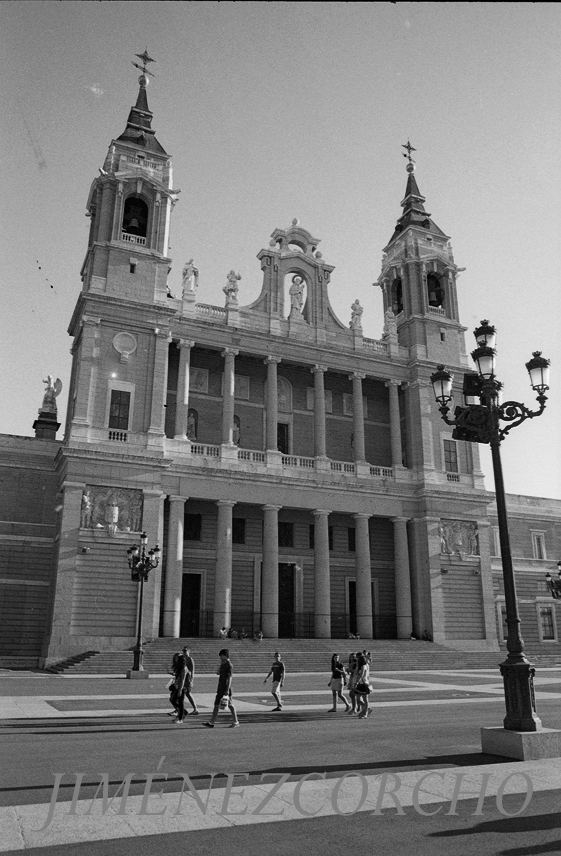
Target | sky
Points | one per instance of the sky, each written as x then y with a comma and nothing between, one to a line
279,110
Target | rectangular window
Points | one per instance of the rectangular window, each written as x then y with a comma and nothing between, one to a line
351,540
286,534
538,545
330,536
119,409
450,456
546,623
238,530
192,527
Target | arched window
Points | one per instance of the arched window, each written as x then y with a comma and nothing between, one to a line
135,217
397,296
435,290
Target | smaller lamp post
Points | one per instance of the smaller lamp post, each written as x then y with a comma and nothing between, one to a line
479,421
555,585
141,563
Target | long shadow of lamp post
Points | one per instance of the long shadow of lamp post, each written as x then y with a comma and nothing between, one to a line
141,563
479,421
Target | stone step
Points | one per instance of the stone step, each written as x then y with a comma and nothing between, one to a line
300,655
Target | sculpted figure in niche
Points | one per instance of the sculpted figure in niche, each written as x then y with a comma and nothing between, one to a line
236,431
191,425
190,278
87,509
296,293
356,315
473,539
231,287
444,545
390,324
50,396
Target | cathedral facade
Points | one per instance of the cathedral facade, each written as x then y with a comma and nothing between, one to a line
296,473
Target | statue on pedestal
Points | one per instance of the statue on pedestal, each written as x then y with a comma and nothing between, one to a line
356,316
190,278
231,287
296,293
50,396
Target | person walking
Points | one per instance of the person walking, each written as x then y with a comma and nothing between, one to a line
362,687
337,682
278,672
224,690
352,671
189,680
177,696
171,684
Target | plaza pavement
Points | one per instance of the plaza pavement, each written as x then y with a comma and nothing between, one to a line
192,806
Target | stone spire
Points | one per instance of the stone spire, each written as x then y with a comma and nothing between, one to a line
414,213
139,130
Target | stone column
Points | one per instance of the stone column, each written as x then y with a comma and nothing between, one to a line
153,525
229,355
159,383
270,573
363,577
319,412
322,581
182,403
402,578
57,644
272,403
358,416
395,423
223,578
174,566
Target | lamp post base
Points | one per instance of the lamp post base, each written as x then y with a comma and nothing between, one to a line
522,745
518,678
134,674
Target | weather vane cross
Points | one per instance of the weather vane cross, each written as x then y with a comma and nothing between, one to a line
146,58
410,149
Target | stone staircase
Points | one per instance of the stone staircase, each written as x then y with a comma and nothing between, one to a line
300,655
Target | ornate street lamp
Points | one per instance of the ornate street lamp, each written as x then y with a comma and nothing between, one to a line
555,585
480,422
141,563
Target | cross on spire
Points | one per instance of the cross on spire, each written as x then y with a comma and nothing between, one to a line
410,149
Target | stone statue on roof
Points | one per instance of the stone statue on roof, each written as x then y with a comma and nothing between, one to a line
51,392
190,278
231,287
356,316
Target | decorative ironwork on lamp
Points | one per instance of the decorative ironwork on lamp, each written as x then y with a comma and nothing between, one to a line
141,562
479,421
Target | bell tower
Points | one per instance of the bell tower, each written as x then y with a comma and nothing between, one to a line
418,280
129,207
122,318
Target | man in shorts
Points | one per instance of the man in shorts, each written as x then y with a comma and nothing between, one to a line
189,678
278,672
224,689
